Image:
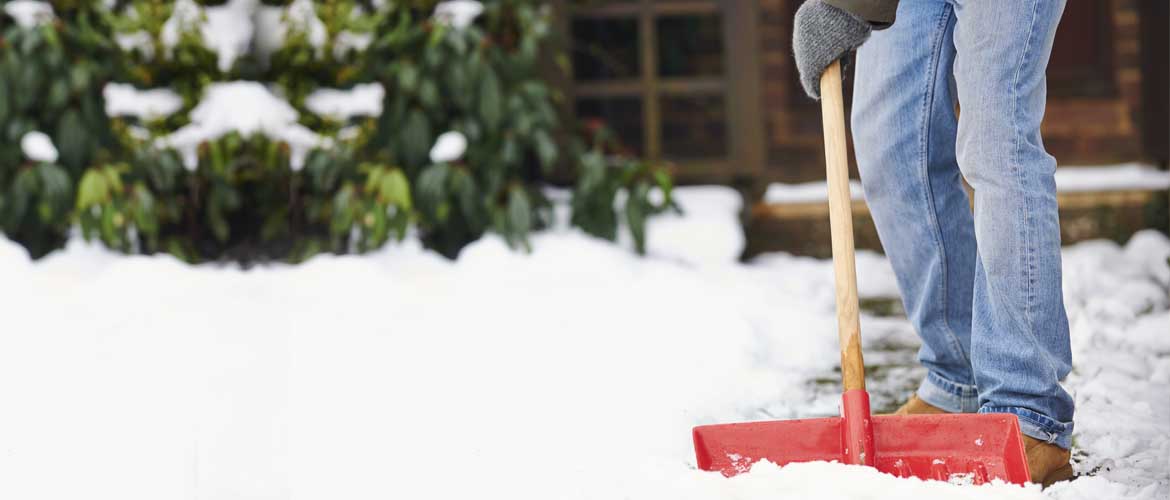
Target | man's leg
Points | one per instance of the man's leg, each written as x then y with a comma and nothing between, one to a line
904,129
1019,334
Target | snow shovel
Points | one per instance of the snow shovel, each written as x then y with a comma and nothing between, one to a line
967,448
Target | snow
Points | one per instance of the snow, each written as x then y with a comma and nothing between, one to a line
140,40
706,233
123,99
1125,177
185,16
806,192
301,16
449,146
248,108
573,371
349,41
29,13
362,100
272,25
228,31
1069,179
1117,299
38,147
225,29
458,14
270,31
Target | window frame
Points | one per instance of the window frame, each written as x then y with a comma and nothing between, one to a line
738,86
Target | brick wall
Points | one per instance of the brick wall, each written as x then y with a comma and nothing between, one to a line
1106,128
1093,113
791,120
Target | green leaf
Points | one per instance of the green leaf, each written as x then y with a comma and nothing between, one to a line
55,183
58,95
491,100
3,99
395,189
373,178
113,179
636,215
343,211
431,184
408,77
546,149
519,217
416,137
72,140
109,228
145,218
380,230
92,190
79,77
428,94
467,194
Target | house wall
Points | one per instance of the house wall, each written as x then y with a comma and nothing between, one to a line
1095,106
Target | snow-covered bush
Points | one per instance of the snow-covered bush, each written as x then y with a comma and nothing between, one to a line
52,63
277,129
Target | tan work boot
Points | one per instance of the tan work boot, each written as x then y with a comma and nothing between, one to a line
1048,463
915,406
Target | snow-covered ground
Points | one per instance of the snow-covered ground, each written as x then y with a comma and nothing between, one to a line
576,371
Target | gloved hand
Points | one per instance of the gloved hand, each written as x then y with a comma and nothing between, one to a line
822,34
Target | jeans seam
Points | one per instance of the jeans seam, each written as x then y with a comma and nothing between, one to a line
924,158
1025,232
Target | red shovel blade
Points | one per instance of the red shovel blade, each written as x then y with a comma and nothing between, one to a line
967,447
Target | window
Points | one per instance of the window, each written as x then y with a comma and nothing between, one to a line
677,80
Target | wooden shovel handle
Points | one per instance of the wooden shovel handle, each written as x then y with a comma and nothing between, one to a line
841,229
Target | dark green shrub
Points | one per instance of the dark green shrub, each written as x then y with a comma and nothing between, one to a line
50,81
244,200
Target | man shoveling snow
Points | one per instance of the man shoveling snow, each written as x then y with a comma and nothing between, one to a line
983,290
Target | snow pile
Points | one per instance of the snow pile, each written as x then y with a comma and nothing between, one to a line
362,100
1118,299
301,16
29,13
248,108
37,146
807,192
273,24
349,41
225,29
449,147
822,480
1126,177
576,371
123,99
270,31
136,40
708,232
458,14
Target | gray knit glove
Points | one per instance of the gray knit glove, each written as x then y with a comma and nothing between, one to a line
822,34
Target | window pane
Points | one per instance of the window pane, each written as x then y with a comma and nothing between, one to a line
693,127
622,115
690,45
605,49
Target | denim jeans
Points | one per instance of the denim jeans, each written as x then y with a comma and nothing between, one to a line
983,289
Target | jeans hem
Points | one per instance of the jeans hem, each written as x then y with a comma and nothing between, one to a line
1038,426
949,396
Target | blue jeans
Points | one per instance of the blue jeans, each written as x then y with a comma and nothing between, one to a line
984,289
